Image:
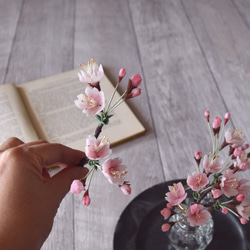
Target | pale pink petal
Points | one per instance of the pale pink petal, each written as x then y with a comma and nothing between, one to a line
197,215
176,195
91,73
197,180
92,102
217,193
97,148
229,184
234,138
114,171
210,165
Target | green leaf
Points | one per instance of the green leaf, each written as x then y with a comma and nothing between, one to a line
217,205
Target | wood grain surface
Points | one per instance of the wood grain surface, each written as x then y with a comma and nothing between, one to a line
192,55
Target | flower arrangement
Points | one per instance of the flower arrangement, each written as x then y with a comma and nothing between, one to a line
216,178
97,149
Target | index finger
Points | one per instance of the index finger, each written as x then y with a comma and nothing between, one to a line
54,153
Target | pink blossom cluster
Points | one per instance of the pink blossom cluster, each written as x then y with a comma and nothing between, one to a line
215,177
98,149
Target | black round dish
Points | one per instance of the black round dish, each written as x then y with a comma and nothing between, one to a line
139,226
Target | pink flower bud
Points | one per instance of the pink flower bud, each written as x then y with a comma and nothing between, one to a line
240,197
126,189
238,152
242,220
217,122
122,73
86,199
166,213
136,80
224,210
165,227
246,146
133,93
226,118
169,205
76,187
207,114
197,155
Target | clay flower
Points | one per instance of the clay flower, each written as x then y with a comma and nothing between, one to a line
91,73
197,181
166,212
197,215
244,209
86,199
229,184
234,138
211,165
213,180
217,193
125,188
76,187
132,89
92,102
176,195
97,148
114,171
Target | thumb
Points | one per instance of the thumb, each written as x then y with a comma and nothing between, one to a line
60,183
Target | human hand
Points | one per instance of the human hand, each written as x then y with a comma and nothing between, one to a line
29,197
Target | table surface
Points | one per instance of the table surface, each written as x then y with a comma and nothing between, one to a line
192,55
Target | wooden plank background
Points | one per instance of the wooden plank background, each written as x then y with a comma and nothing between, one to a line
192,55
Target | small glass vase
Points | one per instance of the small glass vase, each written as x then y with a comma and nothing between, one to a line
184,237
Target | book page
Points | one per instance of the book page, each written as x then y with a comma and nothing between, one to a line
51,104
14,120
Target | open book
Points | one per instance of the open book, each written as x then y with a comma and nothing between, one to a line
45,109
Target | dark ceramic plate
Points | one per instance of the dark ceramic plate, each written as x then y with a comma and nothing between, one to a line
139,226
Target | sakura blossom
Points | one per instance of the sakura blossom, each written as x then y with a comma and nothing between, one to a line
92,102
97,148
176,195
216,177
91,73
76,187
197,180
197,215
244,209
212,165
234,138
114,171
229,184
242,159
